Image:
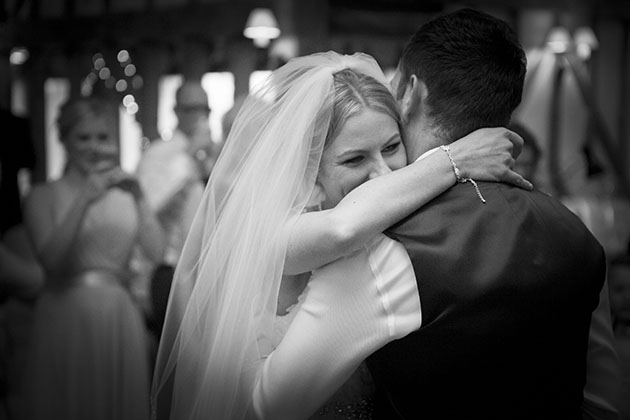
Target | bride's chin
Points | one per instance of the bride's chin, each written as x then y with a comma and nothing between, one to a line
89,167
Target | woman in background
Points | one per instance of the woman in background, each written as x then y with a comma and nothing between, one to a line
89,355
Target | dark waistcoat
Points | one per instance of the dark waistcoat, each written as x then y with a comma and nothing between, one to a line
507,289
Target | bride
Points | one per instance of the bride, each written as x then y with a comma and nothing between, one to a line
289,195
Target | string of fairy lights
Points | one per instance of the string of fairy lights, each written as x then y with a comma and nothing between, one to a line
120,78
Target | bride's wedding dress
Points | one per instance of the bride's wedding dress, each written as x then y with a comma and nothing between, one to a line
374,290
354,399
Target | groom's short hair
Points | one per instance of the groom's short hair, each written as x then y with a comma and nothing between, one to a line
473,66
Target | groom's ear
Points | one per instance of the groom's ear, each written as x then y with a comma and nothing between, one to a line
414,97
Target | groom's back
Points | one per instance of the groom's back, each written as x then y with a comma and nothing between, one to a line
507,289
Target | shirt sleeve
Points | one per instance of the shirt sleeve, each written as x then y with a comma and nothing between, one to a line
352,307
602,365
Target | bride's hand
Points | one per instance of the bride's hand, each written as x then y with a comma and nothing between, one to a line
95,186
488,154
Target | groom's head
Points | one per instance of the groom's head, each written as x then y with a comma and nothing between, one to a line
459,72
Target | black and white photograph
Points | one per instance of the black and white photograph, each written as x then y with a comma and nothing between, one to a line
315,210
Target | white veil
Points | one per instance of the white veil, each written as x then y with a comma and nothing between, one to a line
224,294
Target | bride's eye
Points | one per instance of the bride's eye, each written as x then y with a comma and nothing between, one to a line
353,160
391,148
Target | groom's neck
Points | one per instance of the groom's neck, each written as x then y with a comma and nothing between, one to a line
421,139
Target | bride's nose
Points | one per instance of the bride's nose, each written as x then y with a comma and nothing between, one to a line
379,167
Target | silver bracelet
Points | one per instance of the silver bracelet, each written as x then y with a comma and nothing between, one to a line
458,175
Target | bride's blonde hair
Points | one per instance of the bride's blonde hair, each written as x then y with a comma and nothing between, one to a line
355,92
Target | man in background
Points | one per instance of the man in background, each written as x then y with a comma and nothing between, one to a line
173,174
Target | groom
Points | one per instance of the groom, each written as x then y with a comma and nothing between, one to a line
508,279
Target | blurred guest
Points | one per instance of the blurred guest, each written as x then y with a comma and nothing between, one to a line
193,116
16,153
228,118
89,354
21,279
20,274
173,175
619,280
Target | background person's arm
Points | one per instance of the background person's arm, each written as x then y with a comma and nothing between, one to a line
151,237
20,273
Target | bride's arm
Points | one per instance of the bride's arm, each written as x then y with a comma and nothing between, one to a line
318,238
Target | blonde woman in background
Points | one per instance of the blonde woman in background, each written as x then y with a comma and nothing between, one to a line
89,355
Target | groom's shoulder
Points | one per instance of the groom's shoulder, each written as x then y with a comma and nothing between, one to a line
487,202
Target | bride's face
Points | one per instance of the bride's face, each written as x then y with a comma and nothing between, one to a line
368,145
